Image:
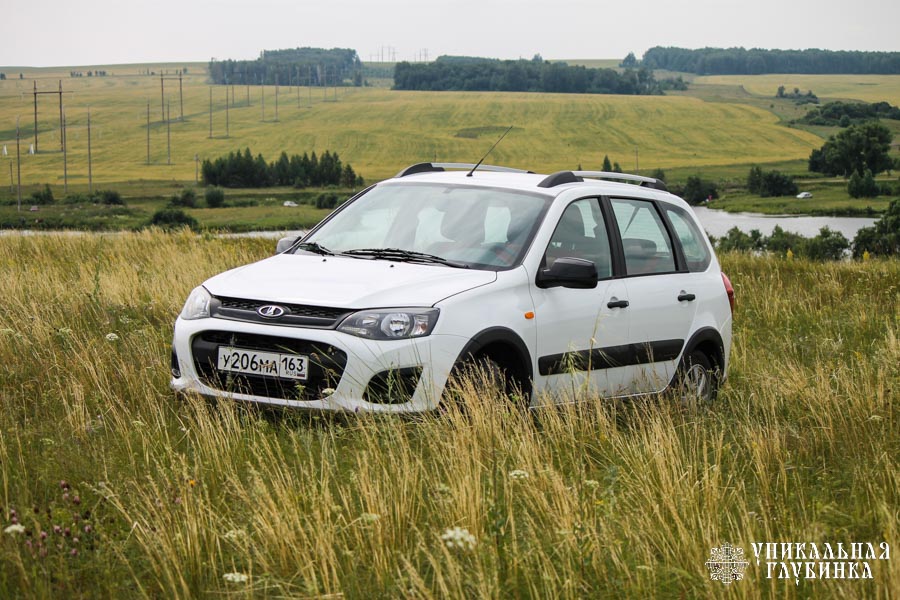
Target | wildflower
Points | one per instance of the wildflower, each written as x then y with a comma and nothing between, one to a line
111,337
459,538
591,484
789,254
235,535
866,255
235,577
369,518
15,528
65,331
327,392
518,474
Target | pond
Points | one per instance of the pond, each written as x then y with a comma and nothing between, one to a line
718,222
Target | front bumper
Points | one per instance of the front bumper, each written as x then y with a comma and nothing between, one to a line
434,355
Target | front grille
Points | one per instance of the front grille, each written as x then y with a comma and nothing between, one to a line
297,315
326,365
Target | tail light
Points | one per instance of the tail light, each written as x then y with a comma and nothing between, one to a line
729,290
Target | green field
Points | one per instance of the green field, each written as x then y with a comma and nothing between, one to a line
142,495
377,130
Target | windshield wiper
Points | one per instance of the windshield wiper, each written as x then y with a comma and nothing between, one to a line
401,255
315,248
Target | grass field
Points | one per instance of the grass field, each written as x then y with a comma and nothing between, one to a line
141,495
869,88
378,131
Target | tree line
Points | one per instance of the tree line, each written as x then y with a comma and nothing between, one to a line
534,75
307,66
740,61
241,169
843,114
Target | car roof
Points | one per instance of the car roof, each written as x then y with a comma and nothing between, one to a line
530,182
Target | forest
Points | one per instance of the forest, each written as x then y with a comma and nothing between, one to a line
756,61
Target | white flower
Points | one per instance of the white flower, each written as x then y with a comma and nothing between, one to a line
327,392
591,483
459,538
518,474
111,337
236,535
235,577
369,518
15,528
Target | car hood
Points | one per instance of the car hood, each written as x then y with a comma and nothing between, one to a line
344,282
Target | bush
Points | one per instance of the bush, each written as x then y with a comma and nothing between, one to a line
327,200
828,245
44,196
862,187
173,218
110,198
781,241
735,239
187,199
215,197
697,190
770,183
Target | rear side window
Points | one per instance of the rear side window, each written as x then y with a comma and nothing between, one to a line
693,241
645,241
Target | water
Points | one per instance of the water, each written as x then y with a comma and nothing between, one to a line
718,222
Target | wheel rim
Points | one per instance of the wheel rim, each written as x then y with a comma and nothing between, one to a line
696,386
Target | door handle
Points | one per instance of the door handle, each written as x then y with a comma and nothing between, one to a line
617,304
685,296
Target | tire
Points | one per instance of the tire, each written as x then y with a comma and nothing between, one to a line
478,374
697,382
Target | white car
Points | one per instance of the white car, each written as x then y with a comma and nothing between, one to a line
561,282
804,195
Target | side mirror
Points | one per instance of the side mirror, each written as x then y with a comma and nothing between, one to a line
569,272
284,243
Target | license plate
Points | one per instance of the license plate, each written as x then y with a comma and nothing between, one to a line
255,362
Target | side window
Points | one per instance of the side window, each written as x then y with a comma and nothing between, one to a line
581,233
644,237
693,241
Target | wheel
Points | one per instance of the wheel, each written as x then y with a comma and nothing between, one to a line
479,377
697,380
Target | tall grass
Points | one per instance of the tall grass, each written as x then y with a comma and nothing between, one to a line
171,498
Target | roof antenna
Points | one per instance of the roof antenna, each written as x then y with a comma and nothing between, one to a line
469,174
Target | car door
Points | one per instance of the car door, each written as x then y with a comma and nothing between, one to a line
578,326
658,290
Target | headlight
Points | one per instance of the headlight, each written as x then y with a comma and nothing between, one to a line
197,305
390,324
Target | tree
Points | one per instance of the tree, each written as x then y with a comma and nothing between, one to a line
215,197
697,190
883,238
862,187
607,166
630,61
854,149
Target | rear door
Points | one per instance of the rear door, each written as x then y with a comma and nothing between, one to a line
658,290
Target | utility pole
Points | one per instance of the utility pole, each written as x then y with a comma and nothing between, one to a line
168,136
636,163
36,94
196,168
276,97
262,93
227,129
248,94
90,171
162,95
10,177
18,170
180,97
35,119
65,158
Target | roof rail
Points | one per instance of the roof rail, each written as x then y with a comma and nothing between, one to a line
436,167
561,177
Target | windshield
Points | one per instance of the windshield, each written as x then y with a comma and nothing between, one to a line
482,228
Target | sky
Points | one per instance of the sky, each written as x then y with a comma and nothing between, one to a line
100,32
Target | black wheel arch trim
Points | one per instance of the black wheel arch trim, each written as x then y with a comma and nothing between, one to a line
703,335
493,335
